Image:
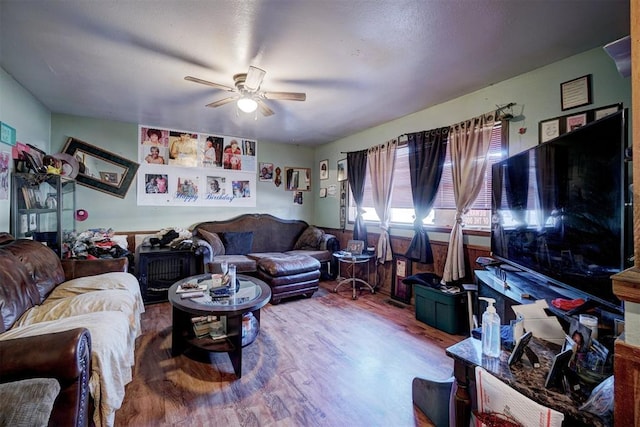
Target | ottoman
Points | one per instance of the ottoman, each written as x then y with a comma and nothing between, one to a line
290,276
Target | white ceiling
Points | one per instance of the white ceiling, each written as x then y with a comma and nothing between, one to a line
361,63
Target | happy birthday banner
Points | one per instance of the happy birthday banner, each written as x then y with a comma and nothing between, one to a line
183,168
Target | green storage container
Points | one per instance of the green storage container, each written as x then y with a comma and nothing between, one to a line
447,312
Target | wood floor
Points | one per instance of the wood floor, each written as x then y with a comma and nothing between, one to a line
323,361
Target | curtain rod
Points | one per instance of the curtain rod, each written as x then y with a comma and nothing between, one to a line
498,110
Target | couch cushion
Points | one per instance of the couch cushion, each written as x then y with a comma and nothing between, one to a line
309,239
18,293
237,243
243,263
43,265
28,402
320,255
287,266
214,240
270,234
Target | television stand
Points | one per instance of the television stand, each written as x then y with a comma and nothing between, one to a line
524,288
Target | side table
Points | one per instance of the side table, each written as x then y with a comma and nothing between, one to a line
353,260
160,267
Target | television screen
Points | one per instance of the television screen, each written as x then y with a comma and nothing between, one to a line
558,208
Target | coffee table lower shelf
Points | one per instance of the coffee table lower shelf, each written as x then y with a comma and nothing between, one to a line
183,310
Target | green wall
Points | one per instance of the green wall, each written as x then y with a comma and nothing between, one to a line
536,93
32,121
124,214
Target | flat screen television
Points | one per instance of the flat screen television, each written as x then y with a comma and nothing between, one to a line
558,209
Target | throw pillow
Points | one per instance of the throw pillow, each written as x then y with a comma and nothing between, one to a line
214,240
309,239
237,243
28,402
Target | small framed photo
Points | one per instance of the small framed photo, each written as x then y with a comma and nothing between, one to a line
605,111
324,169
574,122
558,368
401,291
518,350
355,247
323,192
266,171
549,129
576,93
342,170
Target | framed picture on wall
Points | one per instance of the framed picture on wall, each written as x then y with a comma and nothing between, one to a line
401,270
549,129
574,122
342,170
324,169
576,93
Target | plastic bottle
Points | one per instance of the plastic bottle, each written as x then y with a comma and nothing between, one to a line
490,329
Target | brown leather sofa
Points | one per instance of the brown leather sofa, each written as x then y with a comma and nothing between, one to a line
67,358
69,330
289,255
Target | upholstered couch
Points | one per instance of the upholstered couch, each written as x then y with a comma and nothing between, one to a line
80,331
290,255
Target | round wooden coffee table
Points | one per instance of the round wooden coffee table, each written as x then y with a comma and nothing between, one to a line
252,295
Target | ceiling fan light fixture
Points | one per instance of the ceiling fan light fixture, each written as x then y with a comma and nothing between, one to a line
247,104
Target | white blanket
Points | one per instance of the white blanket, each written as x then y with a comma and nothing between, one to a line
90,302
106,281
112,356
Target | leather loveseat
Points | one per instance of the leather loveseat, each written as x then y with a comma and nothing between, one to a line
80,331
289,255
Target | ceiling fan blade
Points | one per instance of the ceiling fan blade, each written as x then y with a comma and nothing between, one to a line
264,108
289,96
254,78
208,83
222,101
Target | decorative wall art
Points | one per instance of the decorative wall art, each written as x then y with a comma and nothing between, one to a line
184,168
100,169
266,171
297,179
342,170
576,93
7,134
5,158
324,169
556,126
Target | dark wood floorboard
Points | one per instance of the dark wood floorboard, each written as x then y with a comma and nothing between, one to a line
323,361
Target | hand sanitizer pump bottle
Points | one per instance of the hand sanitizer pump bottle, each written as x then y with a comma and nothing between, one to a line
490,329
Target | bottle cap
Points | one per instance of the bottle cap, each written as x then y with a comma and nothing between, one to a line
490,302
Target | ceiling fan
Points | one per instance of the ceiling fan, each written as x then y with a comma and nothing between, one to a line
248,95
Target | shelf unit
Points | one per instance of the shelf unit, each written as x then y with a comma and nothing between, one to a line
43,208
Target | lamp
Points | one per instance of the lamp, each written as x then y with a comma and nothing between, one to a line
247,104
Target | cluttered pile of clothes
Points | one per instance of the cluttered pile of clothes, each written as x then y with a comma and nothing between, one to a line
94,244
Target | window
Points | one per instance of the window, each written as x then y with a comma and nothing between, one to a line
443,212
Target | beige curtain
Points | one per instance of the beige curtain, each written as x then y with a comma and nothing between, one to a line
469,144
381,162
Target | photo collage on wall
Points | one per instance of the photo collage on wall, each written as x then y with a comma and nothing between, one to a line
183,168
